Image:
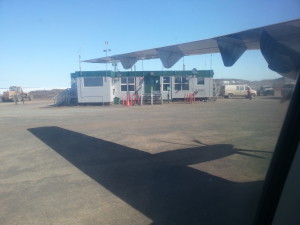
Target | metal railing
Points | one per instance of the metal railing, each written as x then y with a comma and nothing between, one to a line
63,97
152,98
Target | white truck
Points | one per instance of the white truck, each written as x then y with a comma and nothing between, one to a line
229,91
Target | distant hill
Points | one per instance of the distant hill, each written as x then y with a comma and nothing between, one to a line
45,94
276,83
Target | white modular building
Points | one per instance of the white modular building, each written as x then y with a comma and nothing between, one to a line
105,86
93,87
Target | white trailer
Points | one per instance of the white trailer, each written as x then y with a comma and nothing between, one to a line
107,86
93,87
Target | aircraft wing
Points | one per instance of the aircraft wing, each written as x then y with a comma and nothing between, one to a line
279,44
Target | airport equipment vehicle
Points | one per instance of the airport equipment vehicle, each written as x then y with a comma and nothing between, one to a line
8,96
229,91
265,90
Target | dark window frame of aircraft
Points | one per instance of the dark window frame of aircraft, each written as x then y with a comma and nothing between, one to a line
281,163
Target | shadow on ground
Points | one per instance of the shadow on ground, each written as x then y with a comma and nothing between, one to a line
161,186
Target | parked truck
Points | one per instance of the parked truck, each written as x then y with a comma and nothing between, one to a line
15,93
265,90
241,90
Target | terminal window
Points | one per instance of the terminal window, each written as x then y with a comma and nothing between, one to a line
200,80
181,83
166,83
93,81
127,84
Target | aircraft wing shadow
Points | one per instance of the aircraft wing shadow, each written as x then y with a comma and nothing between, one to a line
161,186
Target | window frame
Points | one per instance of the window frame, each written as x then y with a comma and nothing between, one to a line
202,79
182,82
166,84
87,82
127,84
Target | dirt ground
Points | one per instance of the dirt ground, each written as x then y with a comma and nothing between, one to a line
201,163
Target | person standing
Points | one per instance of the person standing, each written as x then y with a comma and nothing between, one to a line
249,94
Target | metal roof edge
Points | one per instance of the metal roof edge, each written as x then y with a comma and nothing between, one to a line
109,73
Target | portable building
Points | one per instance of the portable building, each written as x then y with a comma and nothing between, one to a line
104,86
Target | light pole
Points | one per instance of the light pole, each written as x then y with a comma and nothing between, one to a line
106,50
115,66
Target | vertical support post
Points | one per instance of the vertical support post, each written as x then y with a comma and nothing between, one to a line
161,80
151,95
142,99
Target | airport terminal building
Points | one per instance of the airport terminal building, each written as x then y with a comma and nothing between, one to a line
107,86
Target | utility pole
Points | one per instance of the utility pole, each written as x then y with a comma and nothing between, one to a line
106,50
79,62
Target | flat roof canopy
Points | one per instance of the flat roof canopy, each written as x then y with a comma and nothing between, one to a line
109,73
276,42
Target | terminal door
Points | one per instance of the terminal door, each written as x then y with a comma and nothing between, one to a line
151,83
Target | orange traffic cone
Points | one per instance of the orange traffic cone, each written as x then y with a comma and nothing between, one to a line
127,101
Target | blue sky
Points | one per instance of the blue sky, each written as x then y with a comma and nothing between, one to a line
40,40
